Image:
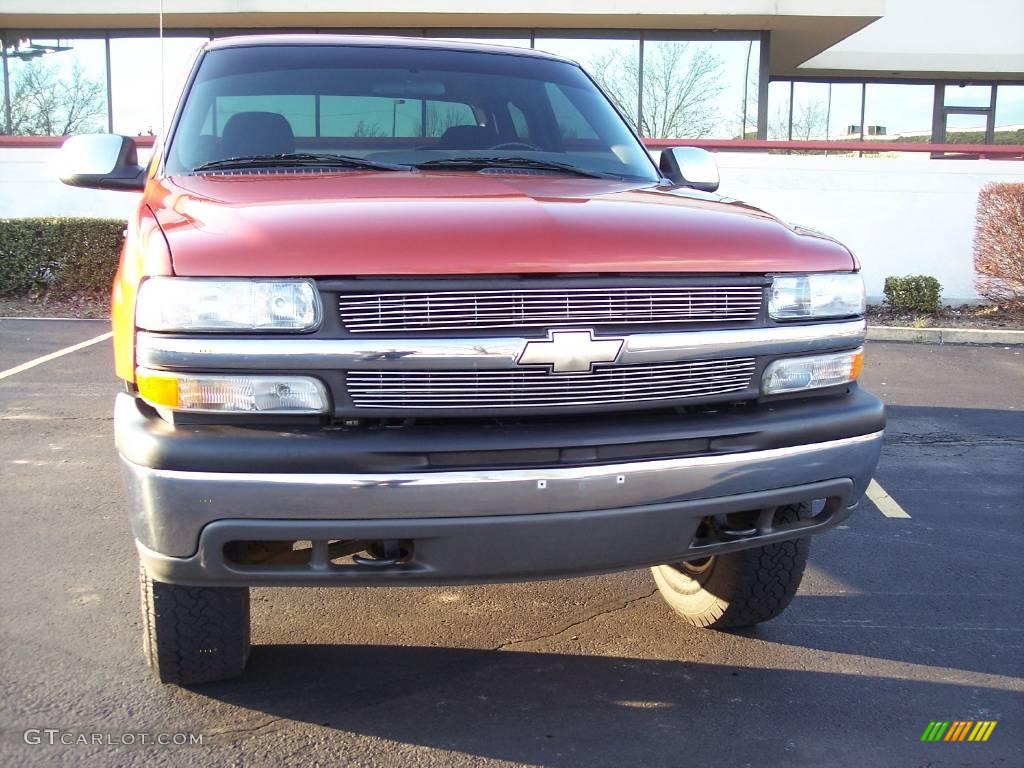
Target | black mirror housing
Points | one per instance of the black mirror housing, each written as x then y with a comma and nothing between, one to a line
690,167
102,161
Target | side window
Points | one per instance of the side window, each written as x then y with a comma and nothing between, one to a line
571,123
519,123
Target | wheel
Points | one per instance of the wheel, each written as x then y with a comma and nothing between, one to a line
739,589
194,634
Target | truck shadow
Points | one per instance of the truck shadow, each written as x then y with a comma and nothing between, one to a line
570,710
901,622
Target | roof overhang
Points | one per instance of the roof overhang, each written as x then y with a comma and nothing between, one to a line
800,29
963,68
922,39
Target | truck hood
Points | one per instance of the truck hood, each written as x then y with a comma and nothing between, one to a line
444,223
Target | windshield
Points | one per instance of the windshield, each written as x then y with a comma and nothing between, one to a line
400,106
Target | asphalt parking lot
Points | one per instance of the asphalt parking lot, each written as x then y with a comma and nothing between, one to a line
900,621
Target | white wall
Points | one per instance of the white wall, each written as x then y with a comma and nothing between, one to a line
29,187
900,216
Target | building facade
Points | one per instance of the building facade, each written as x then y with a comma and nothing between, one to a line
866,70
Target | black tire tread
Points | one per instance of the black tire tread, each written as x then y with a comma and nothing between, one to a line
194,634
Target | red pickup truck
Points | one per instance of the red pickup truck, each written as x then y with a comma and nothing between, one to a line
401,311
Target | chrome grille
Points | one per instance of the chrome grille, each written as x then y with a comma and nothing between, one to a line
537,388
554,307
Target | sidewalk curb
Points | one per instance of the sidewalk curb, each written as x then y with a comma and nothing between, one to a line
945,335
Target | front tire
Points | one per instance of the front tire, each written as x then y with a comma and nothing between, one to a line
194,635
738,589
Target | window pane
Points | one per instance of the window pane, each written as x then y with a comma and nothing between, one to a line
58,87
843,100
810,111
898,112
778,110
136,91
442,115
1009,114
518,118
369,116
968,95
298,110
3,109
401,105
700,89
571,123
826,111
614,64
966,129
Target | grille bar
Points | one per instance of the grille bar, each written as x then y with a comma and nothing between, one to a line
427,390
549,307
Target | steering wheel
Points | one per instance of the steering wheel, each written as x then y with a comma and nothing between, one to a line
517,145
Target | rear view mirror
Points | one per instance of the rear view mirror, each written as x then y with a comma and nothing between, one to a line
101,161
690,167
410,88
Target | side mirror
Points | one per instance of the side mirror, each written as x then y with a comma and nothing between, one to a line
690,167
101,161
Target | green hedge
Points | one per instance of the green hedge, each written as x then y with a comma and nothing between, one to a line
58,257
913,293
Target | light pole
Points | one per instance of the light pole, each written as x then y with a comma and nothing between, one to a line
394,115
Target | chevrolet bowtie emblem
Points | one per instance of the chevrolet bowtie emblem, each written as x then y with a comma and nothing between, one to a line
570,351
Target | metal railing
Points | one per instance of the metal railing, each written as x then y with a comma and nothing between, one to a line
946,151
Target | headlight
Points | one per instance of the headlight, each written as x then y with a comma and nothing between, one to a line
215,393
795,374
796,297
200,304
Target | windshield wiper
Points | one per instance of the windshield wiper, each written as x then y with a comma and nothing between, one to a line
299,159
511,162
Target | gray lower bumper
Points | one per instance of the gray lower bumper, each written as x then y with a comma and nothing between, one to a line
492,548
171,508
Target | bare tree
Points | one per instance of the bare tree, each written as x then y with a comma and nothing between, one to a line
45,104
810,120
364,128
682,81
778,123
744,122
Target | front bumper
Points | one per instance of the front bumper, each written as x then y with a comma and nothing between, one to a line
482,524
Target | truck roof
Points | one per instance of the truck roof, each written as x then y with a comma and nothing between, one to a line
378,41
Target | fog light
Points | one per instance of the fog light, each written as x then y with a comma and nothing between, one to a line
795,374
213,393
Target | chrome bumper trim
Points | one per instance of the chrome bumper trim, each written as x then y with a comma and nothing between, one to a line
170,507
500,353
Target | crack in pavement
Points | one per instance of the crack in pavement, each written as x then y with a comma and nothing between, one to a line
249,729
909,439
578,623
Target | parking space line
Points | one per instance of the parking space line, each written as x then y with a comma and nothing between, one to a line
886,504
55,355
58,319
